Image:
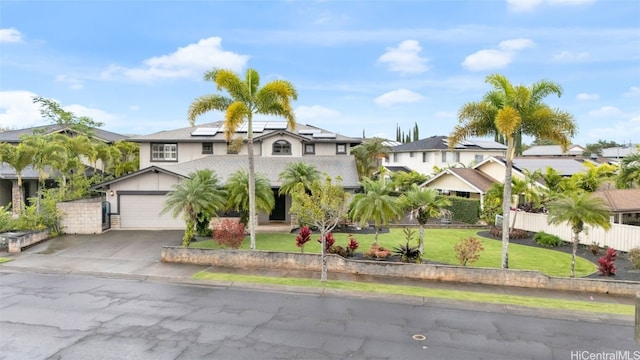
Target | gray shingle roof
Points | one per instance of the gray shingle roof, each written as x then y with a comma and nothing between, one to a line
618,152
225,165
565,166
474,177
553,150
441,143
185,134
13,136
8,172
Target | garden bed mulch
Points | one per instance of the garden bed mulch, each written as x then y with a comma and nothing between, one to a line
625,270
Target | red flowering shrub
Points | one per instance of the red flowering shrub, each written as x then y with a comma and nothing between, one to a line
229,234
606,263
329,241
304,235
352,245
377,252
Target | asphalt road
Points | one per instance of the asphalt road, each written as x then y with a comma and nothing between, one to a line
53,316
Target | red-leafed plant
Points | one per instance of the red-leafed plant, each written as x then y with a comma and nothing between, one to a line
229,234
468,250
304,235
377,252
329,241
352,245
606,263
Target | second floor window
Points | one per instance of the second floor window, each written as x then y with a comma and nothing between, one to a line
425,156
164,152
341,148
281,147
207,148
309,148
448,156
478,158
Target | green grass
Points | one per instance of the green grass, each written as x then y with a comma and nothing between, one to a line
4,260
439,248
559,304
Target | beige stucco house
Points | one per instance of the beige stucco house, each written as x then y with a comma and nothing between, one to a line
168,157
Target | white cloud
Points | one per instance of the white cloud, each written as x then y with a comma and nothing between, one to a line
189,61
17,110
622,131
405,58
529,5
96,114
606,112
568,56
10,35
496,58
587,97
74,83
397,97
315,112
522,5
634,92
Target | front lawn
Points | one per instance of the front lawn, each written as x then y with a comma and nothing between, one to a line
438,248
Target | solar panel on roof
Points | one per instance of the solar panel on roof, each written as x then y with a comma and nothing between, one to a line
324,135
308,131
204,131
276,125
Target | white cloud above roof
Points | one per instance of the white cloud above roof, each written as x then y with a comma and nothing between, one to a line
10,35
188,61
17,110
499,58
587,97
405,58
634,92
397,97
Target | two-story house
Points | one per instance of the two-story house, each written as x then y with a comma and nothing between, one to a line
8,176
167,157
428,155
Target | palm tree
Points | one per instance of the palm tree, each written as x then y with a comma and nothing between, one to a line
246,99
578,209
238,194
375,204
297,174
47,154
423,204
18,157
509,112
629,175
368,156
200,193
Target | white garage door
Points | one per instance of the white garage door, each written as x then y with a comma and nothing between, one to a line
143,212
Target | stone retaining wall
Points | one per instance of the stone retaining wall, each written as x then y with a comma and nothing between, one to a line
448,273
19,240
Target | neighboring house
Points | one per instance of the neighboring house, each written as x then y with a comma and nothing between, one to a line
619,152
473,183
8,178
554,150
167,157
624,205
426,155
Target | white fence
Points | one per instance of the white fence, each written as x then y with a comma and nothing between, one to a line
619,237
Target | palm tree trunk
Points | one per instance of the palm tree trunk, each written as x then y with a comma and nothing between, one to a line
375,239
576,241
421,237
506,204
252,185
323,244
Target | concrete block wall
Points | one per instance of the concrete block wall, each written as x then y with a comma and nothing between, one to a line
448,273
81,216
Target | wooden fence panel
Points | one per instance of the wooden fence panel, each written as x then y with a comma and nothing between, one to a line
619,237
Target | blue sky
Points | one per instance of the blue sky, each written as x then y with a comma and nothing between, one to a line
358,65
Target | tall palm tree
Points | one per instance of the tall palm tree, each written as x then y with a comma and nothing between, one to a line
509,112
46,155
629,175
368,156
238,193
423,204
375,204
297,174
200,193
18,157
246,99
578,209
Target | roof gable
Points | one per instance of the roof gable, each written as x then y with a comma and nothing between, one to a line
442,143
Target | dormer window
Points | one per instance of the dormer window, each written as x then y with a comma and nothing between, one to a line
164,152
281,147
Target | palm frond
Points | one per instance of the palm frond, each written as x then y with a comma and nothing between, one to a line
205,104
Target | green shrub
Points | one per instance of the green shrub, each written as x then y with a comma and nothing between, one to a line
634,257
464,210
6,222
547,240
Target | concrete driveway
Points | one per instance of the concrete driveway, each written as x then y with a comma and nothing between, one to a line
131,253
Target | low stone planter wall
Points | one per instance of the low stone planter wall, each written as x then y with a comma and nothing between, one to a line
18,240
448,273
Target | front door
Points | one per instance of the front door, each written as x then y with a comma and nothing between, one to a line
279,212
